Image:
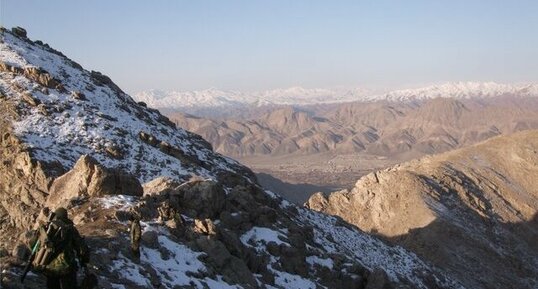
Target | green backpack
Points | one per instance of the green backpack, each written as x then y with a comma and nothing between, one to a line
56,255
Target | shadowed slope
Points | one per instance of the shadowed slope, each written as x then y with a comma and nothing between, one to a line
470,210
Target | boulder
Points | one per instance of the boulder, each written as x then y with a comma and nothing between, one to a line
378,279
89,178
112,233
100,79
233,269
159,186
21,252
122,216
78,95
25,181
43,78
19,31
176,227
178,153
148,138
236,221
205,227
241,199
150,239
30,100
317,202
114,152
293,260
201,198
264,216
232,242
166,212
257,262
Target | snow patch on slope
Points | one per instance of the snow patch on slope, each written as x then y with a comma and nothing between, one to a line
259,235
106,120
372,253
291,281
174,263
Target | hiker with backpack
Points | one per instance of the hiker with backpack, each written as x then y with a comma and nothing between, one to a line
57,246
136,233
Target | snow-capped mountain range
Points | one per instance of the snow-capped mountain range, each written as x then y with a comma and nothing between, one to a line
191,100
460,90
221,98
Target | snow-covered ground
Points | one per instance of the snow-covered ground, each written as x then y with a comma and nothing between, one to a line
371,252
174,263
105,120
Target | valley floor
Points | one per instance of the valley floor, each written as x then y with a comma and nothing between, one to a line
299,177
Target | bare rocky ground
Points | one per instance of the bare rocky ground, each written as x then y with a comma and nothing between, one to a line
471,211
71,137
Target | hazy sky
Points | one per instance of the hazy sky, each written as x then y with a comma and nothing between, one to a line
253,45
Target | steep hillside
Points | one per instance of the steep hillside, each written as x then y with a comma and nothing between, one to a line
279,132
442,124
72,138
55,112
472,211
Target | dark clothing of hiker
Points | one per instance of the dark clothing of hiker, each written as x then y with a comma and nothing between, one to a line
68,281
60,245
136,233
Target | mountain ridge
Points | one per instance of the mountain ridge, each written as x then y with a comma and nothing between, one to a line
378,128
481,201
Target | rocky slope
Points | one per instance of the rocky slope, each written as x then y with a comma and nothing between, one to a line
472,212
71,137
389,129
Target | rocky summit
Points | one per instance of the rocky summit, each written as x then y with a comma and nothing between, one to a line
472,212
71,137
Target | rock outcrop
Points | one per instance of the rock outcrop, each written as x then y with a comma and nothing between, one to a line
89,179
19,31
472,211
24,181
